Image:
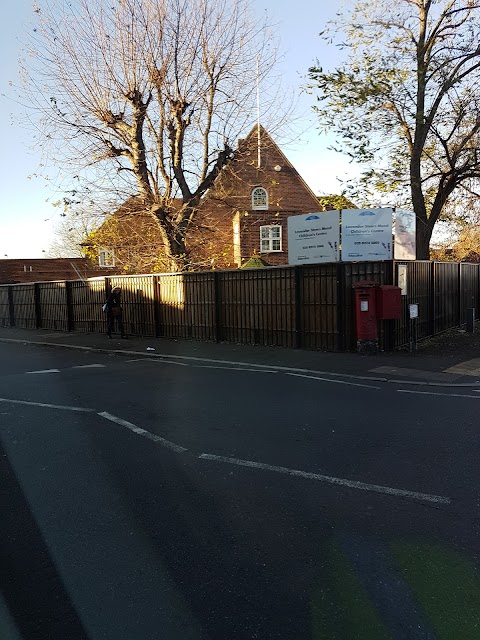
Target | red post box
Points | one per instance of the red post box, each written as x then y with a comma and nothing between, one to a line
366,315
389,302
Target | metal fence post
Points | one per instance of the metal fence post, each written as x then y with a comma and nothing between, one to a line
460,297
477,305
433,298
68,297
217,316
298,307
389,325
11,307
156,307
38,309
340,306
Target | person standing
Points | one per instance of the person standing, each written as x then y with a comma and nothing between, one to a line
114,312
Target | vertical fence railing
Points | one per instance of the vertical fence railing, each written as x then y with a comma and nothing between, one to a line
308,306
51,305
318,304
87,298
23,300
469,294
298,283
5,307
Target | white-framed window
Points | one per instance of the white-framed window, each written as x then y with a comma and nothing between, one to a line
106,258
270,238
259,198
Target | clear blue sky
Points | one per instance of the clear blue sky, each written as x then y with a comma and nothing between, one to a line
27,218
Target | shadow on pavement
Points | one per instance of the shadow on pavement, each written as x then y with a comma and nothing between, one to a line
32,589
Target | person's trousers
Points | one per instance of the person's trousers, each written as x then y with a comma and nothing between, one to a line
111,324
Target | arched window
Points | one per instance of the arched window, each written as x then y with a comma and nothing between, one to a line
259,198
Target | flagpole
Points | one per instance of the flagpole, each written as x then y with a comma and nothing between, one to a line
259,156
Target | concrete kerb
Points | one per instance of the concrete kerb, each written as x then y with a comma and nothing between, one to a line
160,356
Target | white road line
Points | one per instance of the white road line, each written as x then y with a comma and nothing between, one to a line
88,366
212,366
45,371
201,366
142,432
444,395
44,404
278,368
351,384
159,361
352,484
179,364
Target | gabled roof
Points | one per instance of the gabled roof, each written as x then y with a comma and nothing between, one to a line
266,138
135,206
255,262
286,188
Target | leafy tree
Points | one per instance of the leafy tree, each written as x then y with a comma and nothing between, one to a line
146,98
405,103
336,202
75,225
460,237
463,247
134,238
137,244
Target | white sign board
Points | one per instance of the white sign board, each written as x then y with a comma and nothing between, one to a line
405,225
314,237
402,280
413,311
366,234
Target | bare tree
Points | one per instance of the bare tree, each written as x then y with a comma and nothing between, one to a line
77,220
406,102
147,97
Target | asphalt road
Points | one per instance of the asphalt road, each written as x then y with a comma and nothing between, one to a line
165,499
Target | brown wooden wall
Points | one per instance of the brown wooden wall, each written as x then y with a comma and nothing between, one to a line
309,306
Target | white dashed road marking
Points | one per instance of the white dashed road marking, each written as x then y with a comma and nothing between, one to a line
142,432
45,405
88,366
45,371
180,364
443,395
212,366
351,384
352,484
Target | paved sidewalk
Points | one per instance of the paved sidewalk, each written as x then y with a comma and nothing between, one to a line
419,369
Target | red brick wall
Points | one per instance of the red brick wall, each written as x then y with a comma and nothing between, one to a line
45,269
210,238
287,195
250,235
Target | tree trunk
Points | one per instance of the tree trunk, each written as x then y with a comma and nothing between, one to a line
424,234
175,248
177,252
173,238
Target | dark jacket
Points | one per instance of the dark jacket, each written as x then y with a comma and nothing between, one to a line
113,301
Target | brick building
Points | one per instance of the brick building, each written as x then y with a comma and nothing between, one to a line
243,215
14,271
